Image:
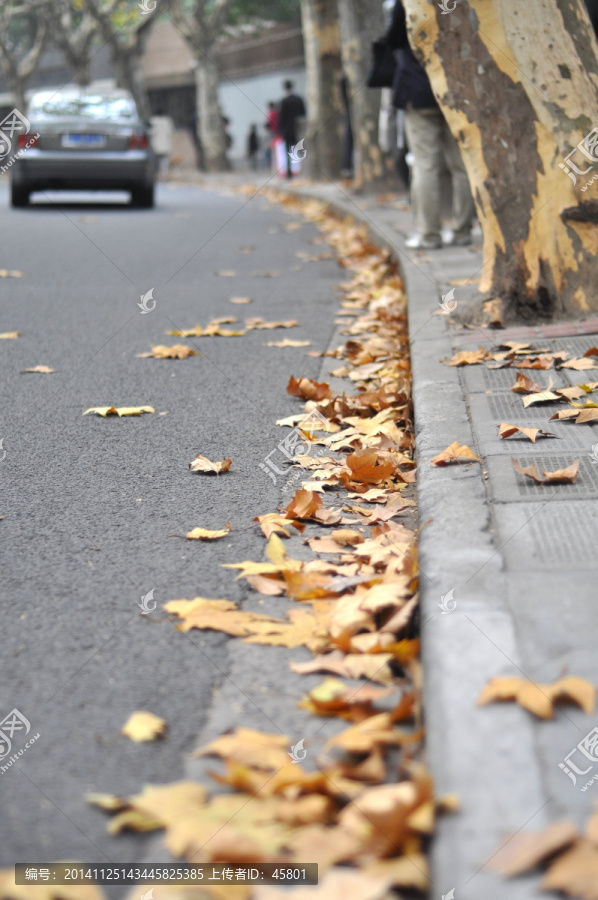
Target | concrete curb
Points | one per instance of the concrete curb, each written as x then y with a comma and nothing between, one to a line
480,754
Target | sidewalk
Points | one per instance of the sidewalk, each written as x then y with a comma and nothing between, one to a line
519,558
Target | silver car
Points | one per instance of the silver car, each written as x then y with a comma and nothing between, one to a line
88,140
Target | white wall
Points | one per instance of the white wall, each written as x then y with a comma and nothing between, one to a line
245,102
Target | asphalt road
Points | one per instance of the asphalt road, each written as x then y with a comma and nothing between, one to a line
94,509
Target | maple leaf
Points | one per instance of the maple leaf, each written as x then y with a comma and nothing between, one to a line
204,534
524,851
560,476
525,385
307,389
541,698
144,726
455,453
505,431
468,357
275,523
178,351
119,411
202,464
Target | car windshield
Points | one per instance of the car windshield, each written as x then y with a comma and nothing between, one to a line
88,107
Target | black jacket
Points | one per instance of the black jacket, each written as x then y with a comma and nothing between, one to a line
411,85
291,109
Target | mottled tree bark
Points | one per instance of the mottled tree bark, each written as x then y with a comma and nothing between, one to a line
360,22
325,122
518,84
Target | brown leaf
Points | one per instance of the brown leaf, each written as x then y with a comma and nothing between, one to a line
374,667
204,534
468,357
178,351
240,300
525,385
579,364
455,453
202,464
540,699
505,431
275,523
524,851
43,370
560,476
542,397
593,351
307,389
575,872
250,748
369,467
335,698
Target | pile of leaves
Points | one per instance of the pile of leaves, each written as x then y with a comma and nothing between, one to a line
354,606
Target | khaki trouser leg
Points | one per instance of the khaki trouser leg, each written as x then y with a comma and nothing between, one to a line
424,129
463,205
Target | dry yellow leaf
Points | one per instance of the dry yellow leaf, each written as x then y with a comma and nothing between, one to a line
524,851
10,273
250,748
288,343
505,431
144,726
560,476
575,872
7,335
540,699
275,523
119,411
240,300
455,453
161,351
43,370
204,534
202,464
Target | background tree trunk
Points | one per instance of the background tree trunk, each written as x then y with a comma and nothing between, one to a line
210,124
518,84
360,22
325,123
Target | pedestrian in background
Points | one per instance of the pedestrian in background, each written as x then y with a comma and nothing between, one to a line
292,109
432,144
253,146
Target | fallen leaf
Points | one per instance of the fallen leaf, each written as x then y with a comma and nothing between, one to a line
203,534
240,300
10,273
541,698
287,343
505,431
226,273
542,397
202,464
374,667
524,851
259,324
579,364
265,274
144,726
43,370
525,385
455,453
275,523
307,389
560,476
178,351
9,334
468,357
119,411
575,872
250,748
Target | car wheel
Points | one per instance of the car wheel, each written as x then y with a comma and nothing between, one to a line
143,196
19,196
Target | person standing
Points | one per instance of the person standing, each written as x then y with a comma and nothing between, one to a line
431,142
253,146
292,108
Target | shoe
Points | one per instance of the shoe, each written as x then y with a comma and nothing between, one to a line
459,240
416,242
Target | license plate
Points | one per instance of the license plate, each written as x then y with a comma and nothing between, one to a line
83,140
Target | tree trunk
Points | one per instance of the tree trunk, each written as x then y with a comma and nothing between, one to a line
325,124
210,125
517,83
360,22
